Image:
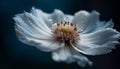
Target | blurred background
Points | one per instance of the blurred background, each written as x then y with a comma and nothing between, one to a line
16,55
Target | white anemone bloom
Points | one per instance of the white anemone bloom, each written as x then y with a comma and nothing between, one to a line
67,36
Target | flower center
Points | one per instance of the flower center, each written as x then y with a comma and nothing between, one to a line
66,31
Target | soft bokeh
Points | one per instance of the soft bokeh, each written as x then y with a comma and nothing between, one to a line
16,55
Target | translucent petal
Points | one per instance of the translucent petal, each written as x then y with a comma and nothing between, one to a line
86,21
61,54
81,60
97,43
91,23
49,45
33,31
41,16
69,55
59,16
102,25
56,16
109,24
102,36
80,18
68,18
95,50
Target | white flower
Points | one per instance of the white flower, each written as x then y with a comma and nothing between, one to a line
67,36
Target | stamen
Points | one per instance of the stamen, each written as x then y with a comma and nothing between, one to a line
66,31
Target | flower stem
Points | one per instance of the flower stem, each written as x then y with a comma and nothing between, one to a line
66,66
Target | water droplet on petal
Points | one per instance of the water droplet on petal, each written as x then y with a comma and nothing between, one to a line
50,20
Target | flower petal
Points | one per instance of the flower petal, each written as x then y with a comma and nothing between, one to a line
81,18
86,21
69,55
82,60
97,43
56,16
41,16
49,45
59,16
91,23
32,31
61,54
102,25
95,50
102,36
68,18
109,24
49,19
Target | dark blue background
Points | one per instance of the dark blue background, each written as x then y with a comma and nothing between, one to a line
16,55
